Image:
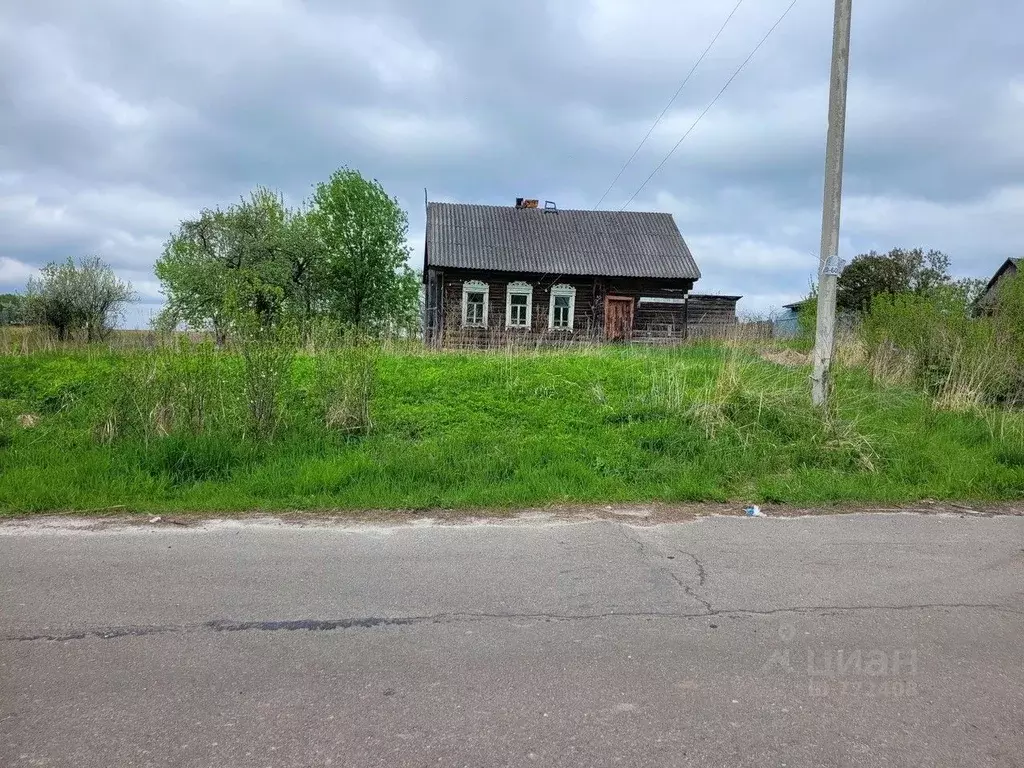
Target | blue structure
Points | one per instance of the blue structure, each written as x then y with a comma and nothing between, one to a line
787,324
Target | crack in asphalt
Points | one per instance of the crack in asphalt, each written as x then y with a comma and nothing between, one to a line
702,574
326,625
703,601
372,622
688,589
313,625
640,545
702,577
103,633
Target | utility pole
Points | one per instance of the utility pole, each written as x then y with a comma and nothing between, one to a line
828,267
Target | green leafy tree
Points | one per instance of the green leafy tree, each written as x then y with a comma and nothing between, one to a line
12,309
971,288
898,271
409,311
253,258
194,271
928,270
266,264
361,272
68,297
102,297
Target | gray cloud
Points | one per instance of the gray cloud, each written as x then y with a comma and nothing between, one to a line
119,118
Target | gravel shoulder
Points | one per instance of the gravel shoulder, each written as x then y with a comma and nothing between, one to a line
637,514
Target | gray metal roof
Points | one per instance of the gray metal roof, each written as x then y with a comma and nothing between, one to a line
570,242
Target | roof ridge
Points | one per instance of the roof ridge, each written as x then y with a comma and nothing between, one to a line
560,210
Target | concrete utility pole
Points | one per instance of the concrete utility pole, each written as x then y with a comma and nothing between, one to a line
828,267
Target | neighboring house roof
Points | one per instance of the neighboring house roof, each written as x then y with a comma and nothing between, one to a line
987,298
570,242
796,306
1009,264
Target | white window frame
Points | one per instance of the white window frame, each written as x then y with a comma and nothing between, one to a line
519,289
475,286
562,290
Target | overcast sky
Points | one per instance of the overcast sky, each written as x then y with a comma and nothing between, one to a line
119,117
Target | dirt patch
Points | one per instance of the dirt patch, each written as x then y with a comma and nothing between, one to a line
633,514
787,357
27,420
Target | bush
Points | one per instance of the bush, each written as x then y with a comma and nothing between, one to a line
184,389
69,297
932,342
344,383
807,319
1007,321
12,309
267,354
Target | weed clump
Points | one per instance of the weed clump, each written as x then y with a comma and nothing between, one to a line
766,411
193,459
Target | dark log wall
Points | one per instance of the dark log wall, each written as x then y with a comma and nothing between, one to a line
452,280
652,320
712,309
710,315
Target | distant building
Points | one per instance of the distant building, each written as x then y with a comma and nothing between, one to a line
787,324
502,273
1010,268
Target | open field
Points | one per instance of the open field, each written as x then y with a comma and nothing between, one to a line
107,430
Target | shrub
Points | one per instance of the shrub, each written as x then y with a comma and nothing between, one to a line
344,383
267,354
67,297
931,341
807,319
1007,320
12,309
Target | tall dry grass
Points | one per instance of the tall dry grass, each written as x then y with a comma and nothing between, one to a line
934,344
761,406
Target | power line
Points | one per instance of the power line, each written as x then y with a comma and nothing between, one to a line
670,102
709,106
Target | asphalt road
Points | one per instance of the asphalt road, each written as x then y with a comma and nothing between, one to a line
856,640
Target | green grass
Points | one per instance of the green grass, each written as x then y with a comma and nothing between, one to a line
496,429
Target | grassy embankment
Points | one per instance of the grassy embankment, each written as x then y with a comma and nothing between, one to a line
152,431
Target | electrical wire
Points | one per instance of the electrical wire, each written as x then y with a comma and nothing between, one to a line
679,90
709,106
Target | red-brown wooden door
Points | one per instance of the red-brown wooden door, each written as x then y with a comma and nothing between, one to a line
618,318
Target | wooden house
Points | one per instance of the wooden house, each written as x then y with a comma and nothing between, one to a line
987,301
502,273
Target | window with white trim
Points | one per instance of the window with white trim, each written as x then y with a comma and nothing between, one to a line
562,308
474,304
518,305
